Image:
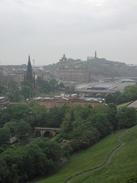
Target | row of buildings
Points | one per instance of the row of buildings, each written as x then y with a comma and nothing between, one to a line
98,75
72,71
17,73
103,88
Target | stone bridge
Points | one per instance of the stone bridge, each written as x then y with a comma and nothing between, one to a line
46,132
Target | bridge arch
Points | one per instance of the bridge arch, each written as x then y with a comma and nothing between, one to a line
46,132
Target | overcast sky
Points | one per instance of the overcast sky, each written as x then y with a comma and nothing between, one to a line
46,29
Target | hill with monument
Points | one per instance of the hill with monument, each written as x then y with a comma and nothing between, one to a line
92,69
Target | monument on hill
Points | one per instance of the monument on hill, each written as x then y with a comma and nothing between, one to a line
63,59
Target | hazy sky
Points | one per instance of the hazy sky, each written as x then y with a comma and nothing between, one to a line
46,29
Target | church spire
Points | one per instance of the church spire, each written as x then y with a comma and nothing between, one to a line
29,72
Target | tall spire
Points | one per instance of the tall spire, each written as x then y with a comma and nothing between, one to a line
95,54
29,72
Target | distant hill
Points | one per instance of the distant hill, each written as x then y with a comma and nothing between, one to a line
90,70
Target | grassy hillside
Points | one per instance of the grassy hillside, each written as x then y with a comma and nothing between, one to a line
124,104
112,160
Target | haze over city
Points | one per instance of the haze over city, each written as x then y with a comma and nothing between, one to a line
46,29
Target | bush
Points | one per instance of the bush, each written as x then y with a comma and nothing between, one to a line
126,117
20,164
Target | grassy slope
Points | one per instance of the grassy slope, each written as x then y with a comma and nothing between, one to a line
124,104
123,164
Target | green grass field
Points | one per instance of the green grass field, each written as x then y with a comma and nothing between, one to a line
115,159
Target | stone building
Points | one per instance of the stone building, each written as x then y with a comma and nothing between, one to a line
71,70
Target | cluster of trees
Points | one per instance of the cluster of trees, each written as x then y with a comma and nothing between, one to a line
34,114
20,131
4,136
18,120
84,126
43,86
23,163
81,127
129,94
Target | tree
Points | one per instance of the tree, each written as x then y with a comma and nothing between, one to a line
112,111
56,116
11,126
67,125
22,130
126,117
35,161
3,89
53,84
17,112
129,94
102,124
27,90
4,135
85,132
13,91
132,179
4,171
